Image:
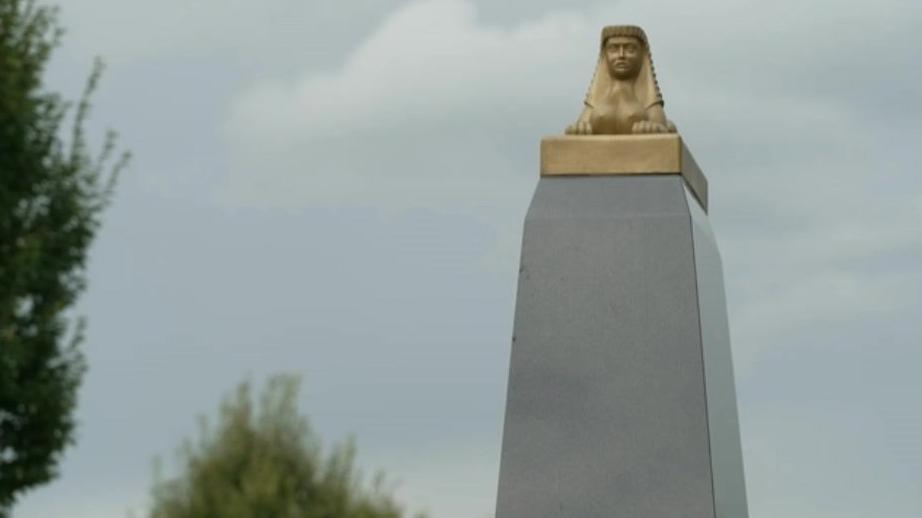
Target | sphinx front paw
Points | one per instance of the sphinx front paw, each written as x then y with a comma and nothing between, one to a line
652,127
579,128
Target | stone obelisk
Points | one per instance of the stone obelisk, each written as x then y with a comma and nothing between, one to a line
621,399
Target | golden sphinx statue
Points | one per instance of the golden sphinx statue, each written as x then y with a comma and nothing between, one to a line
623,129
624,97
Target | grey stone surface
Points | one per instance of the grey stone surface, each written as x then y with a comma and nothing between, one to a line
607,408
726,454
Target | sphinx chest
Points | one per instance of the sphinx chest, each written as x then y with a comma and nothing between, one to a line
617,113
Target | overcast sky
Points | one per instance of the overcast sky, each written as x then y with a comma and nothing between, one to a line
336,189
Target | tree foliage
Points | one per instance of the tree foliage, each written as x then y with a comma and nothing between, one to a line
51,196
266,462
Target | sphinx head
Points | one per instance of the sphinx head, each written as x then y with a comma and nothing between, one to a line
624,56
625,63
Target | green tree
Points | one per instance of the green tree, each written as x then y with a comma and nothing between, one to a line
51,196
266,462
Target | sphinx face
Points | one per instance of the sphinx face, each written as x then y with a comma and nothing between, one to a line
624,55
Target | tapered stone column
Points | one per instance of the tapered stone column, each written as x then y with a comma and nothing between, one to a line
621,400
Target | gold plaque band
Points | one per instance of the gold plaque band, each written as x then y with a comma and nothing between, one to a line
622,155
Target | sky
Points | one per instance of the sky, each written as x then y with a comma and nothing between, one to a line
336,189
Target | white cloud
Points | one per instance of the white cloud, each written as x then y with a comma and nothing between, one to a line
428,63
423,113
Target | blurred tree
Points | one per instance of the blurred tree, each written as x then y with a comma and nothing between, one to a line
51,197
266,462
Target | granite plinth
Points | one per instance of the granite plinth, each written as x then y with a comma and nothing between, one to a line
621,401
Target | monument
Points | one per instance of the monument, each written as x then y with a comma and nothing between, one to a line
621,399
